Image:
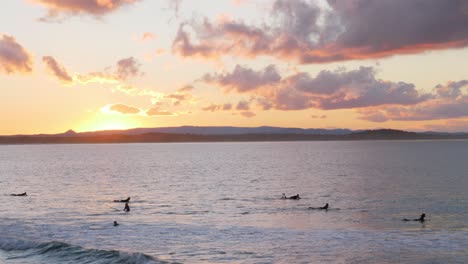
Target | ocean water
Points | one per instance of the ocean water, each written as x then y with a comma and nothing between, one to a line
220,202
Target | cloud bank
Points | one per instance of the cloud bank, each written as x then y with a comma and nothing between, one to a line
306,32
328,90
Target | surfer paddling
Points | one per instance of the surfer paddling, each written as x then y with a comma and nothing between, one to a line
294,197
325,207
420,219
19,194
122,201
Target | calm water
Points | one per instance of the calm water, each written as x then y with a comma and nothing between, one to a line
219,202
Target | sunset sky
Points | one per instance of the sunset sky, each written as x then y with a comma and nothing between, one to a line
116,64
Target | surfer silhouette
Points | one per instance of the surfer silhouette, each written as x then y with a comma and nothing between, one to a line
126,208
122,201
115,223
294,197
420,219
325,207
19,194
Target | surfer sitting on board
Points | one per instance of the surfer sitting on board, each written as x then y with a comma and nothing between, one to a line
115,223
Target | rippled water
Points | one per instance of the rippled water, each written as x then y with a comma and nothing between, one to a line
219,202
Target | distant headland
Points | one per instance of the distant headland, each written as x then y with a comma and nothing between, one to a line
224,134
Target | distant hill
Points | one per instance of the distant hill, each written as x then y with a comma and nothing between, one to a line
223,134
222,130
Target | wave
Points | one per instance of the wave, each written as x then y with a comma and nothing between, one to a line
60,252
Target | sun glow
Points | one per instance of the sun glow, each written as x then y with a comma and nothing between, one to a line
109,122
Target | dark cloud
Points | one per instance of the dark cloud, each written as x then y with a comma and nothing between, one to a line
56,69
227,107
124,109
450,101
243,105
127,68
244,79
360,88
79,7
452,89
348,30
13,57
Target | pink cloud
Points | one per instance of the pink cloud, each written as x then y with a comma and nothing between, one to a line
56,69
13,57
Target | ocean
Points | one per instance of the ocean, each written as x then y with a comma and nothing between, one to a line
221,202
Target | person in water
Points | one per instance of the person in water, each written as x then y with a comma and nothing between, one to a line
19,194
294,197
325,207
126,208
420,219
115,223
122,201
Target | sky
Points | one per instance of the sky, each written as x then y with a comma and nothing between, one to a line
92,65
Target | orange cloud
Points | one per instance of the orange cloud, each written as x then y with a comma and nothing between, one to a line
157,111
147,36
122,109
79,7
13,57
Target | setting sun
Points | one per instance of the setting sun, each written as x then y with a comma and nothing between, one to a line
108,122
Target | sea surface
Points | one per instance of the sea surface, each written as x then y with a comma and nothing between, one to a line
220,202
